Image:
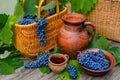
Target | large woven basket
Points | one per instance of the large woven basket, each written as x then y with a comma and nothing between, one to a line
25,37
106,17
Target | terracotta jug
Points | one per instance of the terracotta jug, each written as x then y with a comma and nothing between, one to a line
73,36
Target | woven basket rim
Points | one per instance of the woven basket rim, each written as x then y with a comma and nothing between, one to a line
48,18
34,23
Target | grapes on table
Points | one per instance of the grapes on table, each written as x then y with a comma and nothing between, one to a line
42,60
40,26
93,60
72,71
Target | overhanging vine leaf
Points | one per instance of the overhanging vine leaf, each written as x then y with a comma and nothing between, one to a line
6,32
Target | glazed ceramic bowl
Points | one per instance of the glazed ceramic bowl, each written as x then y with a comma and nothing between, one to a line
108,56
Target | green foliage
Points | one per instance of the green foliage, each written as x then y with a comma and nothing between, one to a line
14,62
62,4
84,6
65,75
99,42
45,69
3,20
48,6
30,6
116,53
18,12
6,32
10,63
56,49
5,68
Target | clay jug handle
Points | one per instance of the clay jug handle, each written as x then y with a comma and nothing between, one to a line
93,29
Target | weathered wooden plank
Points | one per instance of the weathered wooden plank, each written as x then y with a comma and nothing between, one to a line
48,76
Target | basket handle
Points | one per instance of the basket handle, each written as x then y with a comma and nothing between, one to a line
40,5
115,0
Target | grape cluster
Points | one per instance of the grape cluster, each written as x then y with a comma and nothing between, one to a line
93,60
42,60
72,70
52,11
40,26
27,19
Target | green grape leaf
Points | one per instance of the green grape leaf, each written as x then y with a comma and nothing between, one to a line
14,62
45,69
18,12
98,42
75,5
56,49
30,6
1,43
5,69
3,20
63,2
94,1
86,6
48,6
65,75
83,6
115,51
6,32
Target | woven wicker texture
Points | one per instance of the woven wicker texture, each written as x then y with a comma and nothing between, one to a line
25,37
106,17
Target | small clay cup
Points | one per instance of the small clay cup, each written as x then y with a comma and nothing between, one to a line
58,62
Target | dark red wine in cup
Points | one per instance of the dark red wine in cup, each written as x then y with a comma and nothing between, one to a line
57,60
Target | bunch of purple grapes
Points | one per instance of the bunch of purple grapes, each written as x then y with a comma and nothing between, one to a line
42,60
40,26
93,61
52,11
72,71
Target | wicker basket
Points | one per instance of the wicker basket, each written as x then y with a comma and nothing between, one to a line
106,17
25,37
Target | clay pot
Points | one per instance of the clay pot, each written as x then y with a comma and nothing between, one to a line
73,36
108,56
58,62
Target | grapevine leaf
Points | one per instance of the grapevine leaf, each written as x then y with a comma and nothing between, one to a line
5,68
1,43
98,42
116,53
75,5
63,2
30,6
94,1
14,62
48,6
84,6
56,49
3,19
18,11
102,43
45,69
65,75
6,32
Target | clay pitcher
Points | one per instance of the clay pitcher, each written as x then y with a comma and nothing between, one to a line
73,36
